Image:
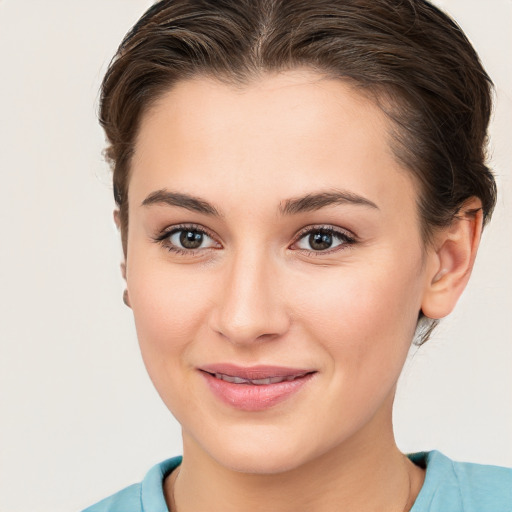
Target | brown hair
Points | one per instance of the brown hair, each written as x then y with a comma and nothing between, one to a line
407,54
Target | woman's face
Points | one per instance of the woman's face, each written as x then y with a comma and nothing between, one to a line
275,267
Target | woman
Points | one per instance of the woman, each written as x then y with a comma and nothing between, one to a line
301,190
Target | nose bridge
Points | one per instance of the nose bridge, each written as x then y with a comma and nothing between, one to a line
250,306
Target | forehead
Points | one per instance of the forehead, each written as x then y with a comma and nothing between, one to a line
279,135
295,105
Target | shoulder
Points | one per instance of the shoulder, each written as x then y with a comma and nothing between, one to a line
146,496
452,486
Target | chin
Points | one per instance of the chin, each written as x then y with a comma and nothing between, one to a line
259,452
260,463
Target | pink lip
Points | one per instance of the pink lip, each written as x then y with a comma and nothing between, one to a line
254,397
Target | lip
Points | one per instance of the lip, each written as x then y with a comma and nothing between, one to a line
249,396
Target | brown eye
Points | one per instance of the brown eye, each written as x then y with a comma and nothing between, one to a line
320,241
191,239
188,239
323,239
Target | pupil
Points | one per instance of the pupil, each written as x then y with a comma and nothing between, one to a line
191,239
320,241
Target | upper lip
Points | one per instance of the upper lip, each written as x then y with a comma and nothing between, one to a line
254,372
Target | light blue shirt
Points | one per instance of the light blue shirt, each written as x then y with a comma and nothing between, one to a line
449,487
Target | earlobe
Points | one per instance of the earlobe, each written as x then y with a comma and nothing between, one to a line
126,298
451,260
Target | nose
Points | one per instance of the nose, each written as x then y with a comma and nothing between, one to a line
250,306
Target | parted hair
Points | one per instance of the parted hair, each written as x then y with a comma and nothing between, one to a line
408,56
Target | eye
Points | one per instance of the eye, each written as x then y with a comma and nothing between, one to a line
189,238
323,239
186,239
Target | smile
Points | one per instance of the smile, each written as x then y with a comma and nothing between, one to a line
257,382
255,388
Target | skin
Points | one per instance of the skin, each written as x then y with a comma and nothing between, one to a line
254,293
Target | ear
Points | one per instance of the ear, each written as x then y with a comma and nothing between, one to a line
126,298
117,218
451,260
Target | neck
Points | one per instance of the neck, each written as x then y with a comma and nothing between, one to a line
366,473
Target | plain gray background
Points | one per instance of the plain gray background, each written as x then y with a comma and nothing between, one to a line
79,417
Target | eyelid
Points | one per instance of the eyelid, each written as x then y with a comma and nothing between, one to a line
163,237
349,237
325,227
169,230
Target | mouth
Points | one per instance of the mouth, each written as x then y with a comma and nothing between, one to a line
256,382
254,388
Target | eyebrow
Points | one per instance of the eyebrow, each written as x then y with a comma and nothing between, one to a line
316,201
307,203
189,202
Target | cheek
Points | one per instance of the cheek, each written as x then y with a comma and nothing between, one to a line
363,314
170,311
169,307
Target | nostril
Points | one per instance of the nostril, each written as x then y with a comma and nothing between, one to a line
249,309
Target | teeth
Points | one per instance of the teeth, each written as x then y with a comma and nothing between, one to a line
270,380
233,380
256,382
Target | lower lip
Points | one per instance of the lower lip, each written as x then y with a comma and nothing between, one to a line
250,397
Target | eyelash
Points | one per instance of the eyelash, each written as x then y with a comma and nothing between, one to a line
163,238
347,239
